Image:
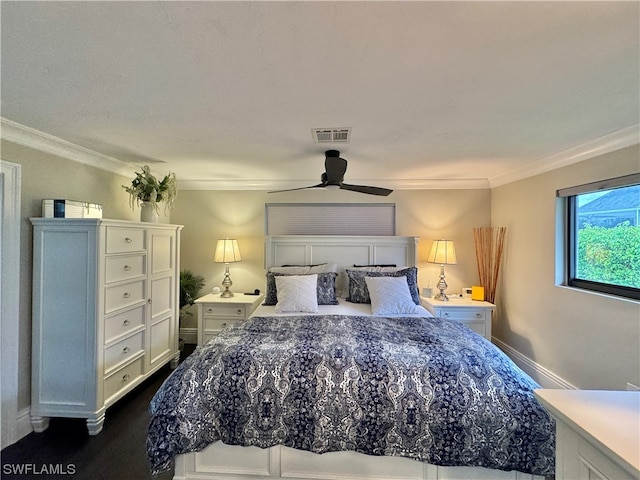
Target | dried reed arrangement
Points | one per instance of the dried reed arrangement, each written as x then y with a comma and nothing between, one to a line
489,243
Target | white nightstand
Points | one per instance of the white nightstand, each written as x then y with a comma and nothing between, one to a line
473,313
215,313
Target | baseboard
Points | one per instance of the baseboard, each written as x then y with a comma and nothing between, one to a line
190,335
24,428
546,378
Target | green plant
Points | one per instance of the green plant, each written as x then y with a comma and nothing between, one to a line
190,287
146,188
610,255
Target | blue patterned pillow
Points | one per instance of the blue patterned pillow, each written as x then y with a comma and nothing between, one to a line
326,288
359,293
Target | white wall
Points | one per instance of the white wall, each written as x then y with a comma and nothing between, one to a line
590,340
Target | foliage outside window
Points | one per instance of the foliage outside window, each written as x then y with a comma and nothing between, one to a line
603,248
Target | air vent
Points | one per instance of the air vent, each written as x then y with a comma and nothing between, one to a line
331,135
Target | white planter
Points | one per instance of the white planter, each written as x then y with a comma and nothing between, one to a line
149,212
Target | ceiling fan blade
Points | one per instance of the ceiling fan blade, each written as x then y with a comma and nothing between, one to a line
299,188
365,189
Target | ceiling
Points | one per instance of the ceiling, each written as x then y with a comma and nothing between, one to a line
226,94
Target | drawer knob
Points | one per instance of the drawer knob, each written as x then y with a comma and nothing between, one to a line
128,240
126,295
126,322
224,325
446,314
478,315
125,377
125,350
239,311
127,268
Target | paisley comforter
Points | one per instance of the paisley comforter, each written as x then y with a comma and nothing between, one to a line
424,388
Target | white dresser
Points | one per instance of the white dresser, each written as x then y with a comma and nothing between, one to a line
105,313
473,313
216,312
597,433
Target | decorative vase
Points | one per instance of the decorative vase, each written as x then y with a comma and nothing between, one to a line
149,212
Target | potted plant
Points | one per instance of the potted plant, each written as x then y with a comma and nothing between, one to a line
190,287
146,191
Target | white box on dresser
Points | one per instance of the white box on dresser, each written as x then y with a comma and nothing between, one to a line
216,312
473,313
105,313
597,433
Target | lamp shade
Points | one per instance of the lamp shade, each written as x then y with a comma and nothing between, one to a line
442,252
227,251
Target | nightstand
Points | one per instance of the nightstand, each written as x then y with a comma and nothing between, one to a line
215,313
473,313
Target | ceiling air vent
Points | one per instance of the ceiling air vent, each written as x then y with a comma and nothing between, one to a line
331,135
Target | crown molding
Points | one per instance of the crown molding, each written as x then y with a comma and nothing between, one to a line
29,137
609,143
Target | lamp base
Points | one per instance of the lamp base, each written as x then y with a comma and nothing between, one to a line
226,283
442,297
442,286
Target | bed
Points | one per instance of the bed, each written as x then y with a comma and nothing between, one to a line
348,389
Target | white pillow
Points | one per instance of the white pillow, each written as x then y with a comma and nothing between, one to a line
390,295
297,293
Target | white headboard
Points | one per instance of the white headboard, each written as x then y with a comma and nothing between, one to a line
343,250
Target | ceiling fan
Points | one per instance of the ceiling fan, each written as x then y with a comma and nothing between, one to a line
335,167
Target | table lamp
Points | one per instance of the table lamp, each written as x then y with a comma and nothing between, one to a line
444,253
227,252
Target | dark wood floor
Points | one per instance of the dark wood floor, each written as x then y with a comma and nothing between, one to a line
116,453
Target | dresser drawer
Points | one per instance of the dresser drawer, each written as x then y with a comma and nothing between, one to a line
123,377
124,240
118,268
123,351
239,311
462,313
121,296
123,323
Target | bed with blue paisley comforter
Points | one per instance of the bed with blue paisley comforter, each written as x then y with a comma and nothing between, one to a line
423,388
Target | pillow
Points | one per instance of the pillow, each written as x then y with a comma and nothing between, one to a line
297,293
390,295
326,288
358,292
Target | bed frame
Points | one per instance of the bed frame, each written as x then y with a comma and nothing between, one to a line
224,462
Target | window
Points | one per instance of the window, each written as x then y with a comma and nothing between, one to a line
603,236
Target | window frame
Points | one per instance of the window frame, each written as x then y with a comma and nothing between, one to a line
569,195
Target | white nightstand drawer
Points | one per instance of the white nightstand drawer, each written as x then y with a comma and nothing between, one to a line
123,268
218,324
123,240
461,313
123,351
225,310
